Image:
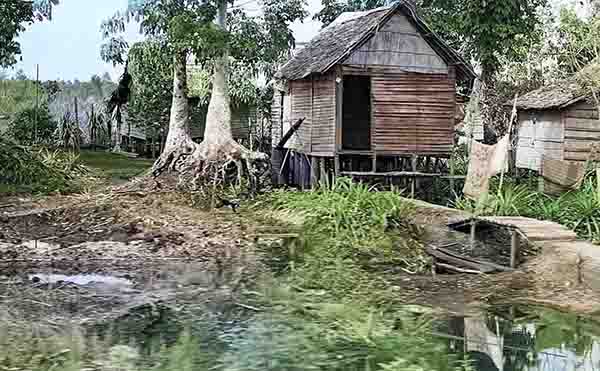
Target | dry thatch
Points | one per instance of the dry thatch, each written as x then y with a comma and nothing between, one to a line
558,95
563,93
336,42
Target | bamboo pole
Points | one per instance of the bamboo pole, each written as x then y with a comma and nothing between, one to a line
37,103
513,116
514,249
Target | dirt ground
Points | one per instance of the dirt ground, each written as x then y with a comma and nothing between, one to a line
159,242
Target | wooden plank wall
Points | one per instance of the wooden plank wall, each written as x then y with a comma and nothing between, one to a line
276,119
398,44
413,113
582,128
540,133
323,116
301,92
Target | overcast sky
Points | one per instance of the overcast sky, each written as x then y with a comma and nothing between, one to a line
68,47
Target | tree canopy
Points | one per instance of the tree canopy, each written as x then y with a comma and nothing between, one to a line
14,16
258,42
333,8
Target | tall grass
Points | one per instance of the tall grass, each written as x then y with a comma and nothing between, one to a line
350,233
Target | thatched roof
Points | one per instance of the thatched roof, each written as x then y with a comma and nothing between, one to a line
564,93
350,31
555,96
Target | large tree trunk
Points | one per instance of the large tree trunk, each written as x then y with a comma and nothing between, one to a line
218,118
178,134
210,161
490,131
178,142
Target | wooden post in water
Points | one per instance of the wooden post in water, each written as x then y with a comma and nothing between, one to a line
473,231
514,248
452,185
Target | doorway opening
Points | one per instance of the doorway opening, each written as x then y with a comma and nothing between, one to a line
356,113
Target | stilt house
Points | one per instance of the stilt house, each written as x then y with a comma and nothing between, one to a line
376,90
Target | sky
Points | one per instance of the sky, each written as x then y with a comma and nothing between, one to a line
68,47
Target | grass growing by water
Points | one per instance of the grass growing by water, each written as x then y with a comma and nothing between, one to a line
350,234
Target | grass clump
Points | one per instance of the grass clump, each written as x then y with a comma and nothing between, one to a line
38,170
349,235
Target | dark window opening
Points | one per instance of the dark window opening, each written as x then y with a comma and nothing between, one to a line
356,117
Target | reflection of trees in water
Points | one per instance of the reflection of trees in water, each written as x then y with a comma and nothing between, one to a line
518,339
519,360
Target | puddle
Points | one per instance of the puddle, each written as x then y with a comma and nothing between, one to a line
460,243
81,279
524,339
39,245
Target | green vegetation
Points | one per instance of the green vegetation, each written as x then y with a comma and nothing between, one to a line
349,233
39,170
32,170
114,166
33,125
578,210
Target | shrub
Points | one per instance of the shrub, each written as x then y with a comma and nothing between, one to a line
23,127
513,200
39,170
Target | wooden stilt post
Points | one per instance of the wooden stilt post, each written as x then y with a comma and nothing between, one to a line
324,176
473,232
514,249
413,184
337,165
314,172
374,166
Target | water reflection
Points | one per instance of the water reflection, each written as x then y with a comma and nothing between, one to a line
525,339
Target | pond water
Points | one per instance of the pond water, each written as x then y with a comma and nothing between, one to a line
524,339
81,279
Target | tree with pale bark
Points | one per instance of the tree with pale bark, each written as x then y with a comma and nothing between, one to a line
188,27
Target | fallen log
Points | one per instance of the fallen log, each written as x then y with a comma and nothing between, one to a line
439,255
495,266
456,269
